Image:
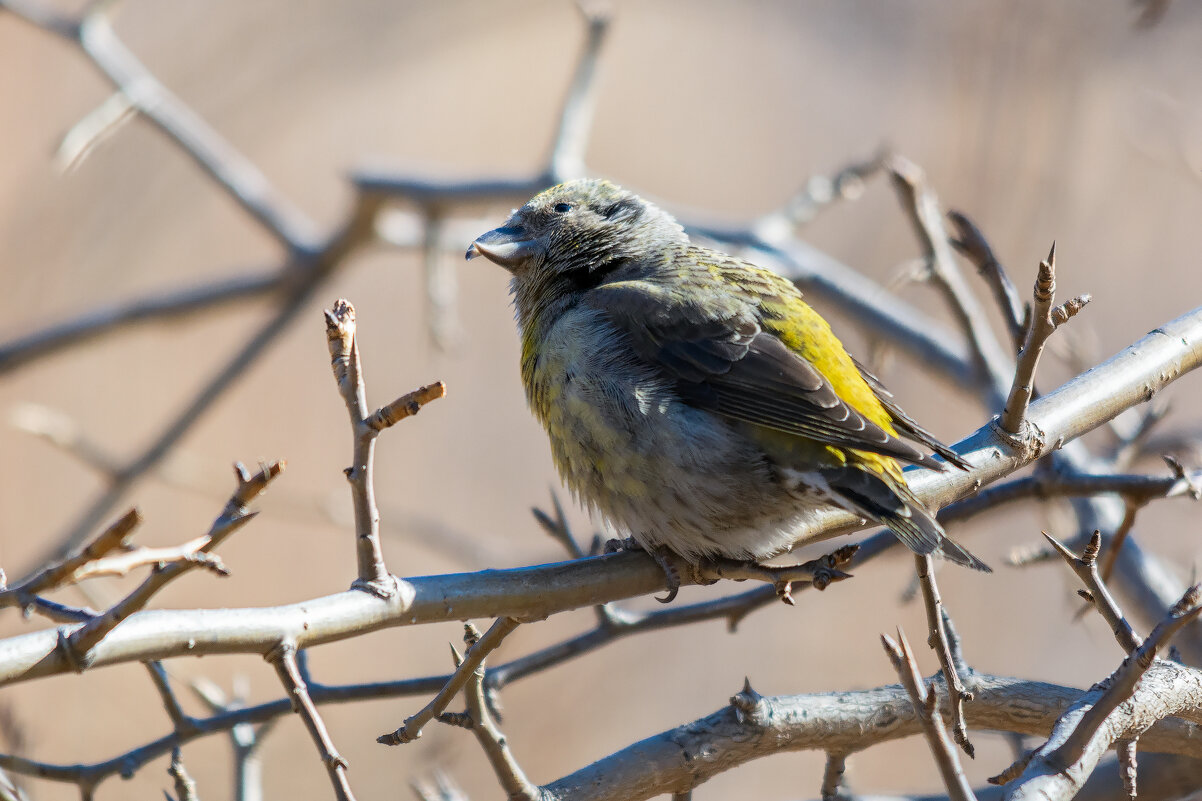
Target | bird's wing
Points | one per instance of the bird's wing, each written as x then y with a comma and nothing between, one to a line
907,424
723,360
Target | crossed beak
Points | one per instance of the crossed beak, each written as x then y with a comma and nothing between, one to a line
508,246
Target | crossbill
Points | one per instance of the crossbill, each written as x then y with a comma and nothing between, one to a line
694,399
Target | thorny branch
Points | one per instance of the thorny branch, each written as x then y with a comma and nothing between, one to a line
1043,320
1095,592
1148,689
570,585
67,569
937,639
479,649
482,723
925,704
185,786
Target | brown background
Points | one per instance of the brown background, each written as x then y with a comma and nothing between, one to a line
1042,121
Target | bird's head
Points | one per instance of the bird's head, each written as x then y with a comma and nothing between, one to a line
574,234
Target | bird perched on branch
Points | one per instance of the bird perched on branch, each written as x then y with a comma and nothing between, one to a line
692,398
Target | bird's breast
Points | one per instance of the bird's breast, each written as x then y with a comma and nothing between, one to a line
629,447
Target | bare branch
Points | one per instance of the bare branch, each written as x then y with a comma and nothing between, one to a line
348,373
1138,489
1086,568
1044,319
924,705
510,774
1148,690
479,650
101,123
181,424
558,528
825,721
1001,704
121,564
1128,766
1122,682
232,715
283,659
176,304
77,646
832,775
65,571
365,427
575,121
1078,406
213,154
975,247
938,641
158,674
818,193
185,786
407,405
922,207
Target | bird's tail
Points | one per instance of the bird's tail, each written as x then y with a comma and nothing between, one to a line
891,503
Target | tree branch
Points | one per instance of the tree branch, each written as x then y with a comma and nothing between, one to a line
1148,690
532,593
283,659
365,427
472,660
938,641
694,752
924,705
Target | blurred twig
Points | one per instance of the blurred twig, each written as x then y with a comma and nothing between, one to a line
972,243
922,207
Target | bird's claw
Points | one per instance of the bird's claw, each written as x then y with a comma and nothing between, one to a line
662,557
671,574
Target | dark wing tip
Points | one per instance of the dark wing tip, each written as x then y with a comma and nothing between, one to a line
954,552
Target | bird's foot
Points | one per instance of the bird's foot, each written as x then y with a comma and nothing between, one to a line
621,544
662,557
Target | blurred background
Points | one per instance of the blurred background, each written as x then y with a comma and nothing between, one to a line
1041,121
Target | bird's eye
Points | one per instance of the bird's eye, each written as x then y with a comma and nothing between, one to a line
562,208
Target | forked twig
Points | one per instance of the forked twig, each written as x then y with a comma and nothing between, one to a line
1044,319
926,707
939,641
78,645
479,649
1086,568
366,426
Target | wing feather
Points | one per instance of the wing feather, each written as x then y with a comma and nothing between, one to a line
724,361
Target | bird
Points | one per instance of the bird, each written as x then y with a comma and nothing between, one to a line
693,399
